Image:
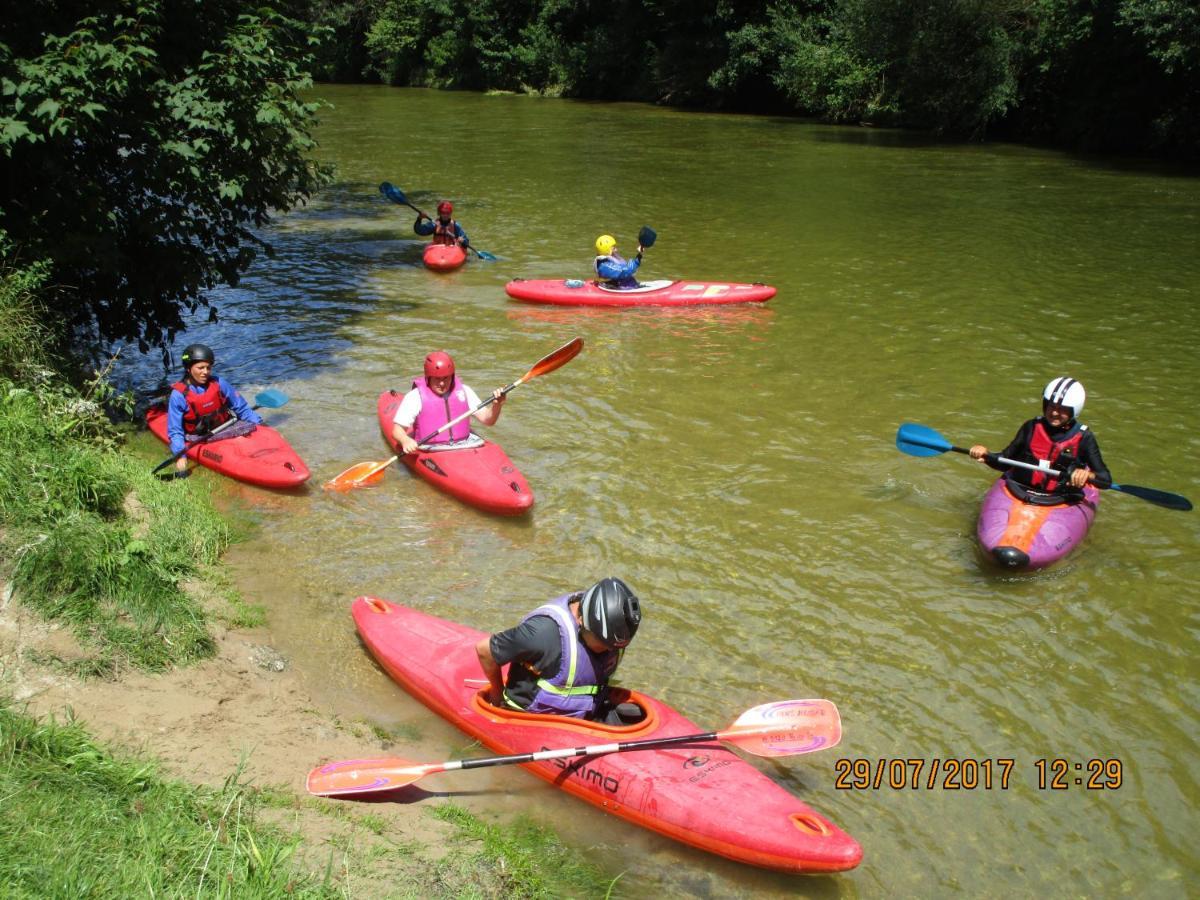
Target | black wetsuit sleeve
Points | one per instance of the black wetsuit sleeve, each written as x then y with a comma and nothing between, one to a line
535,651
1089,455
1018,447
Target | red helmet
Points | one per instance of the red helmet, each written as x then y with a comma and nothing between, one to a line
438,364
445,208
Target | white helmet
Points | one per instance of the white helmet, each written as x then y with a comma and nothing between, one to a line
1065,392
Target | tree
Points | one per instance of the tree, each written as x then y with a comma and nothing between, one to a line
143,143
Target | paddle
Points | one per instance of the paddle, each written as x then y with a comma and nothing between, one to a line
370,472
396,195
783,728
918,440
646,237
268,399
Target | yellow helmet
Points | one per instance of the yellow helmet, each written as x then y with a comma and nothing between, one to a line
605,244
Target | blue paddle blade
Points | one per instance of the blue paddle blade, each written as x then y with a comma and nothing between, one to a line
271,399
393,193
483,254
1164,499
917,440
647,237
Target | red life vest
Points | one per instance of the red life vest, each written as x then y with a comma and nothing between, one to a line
1045,447
437,411
205,411
444,234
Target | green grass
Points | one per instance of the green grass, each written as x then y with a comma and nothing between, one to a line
76,821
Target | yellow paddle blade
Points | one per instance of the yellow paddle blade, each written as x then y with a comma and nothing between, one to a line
359,475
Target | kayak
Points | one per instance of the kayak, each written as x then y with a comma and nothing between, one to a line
261,457
443,257
476,471
1021,535
702,795
574,292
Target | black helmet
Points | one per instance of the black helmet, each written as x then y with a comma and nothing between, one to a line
611,612
196,353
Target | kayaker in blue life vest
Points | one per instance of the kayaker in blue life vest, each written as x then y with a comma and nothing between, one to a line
436,399
562,655
614,270
444,229
1058,441
201,402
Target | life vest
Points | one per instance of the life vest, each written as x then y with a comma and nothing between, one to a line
1050,449
444,234
437,411
205,411
625,281
573,690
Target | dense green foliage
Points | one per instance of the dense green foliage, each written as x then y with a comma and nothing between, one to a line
77,822
1118,75
142,142
88,536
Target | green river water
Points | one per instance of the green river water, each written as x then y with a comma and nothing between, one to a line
737,465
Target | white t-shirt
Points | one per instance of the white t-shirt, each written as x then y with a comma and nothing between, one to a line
410,406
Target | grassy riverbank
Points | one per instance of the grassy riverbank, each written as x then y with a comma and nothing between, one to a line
90,540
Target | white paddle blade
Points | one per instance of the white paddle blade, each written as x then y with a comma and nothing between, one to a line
787,728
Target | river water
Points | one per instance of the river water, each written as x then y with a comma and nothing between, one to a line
737,466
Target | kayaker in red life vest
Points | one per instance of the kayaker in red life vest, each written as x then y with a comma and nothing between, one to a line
202,401
615,270
1058,439
444,229
563,653
435,400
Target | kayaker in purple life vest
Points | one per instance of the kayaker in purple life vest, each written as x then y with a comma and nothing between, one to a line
562,655
1057,439
444,229
201,402
612,267
435,400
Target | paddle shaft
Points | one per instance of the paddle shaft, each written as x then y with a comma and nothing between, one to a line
203,440
1016,463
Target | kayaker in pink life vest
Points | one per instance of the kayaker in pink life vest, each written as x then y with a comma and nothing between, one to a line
435,400
1057,439
562,654
444,229
615,270
201,402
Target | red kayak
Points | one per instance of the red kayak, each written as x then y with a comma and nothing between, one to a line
475,471
702,795
574,292
261,457
443,257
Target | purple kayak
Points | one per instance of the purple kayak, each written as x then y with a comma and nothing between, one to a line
1021,535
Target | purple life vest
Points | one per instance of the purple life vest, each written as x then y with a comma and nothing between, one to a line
437,411
573,689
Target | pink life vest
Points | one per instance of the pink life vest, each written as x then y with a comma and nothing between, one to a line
437,411
205,411
1043,446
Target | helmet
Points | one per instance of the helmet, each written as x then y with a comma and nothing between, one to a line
611,612
445,208
196,353
438,364
605,244
1064,392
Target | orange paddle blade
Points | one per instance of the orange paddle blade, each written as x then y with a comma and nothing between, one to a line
558,358
360,776
786,728
360,475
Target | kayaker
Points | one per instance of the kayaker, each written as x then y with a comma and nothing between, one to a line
589,630
444,229
1057,440
435,400
201,402
614,270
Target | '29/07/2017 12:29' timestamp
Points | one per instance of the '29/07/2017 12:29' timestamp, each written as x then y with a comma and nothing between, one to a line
969,774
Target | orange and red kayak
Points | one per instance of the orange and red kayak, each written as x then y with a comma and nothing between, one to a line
702,795
261,457
443,257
